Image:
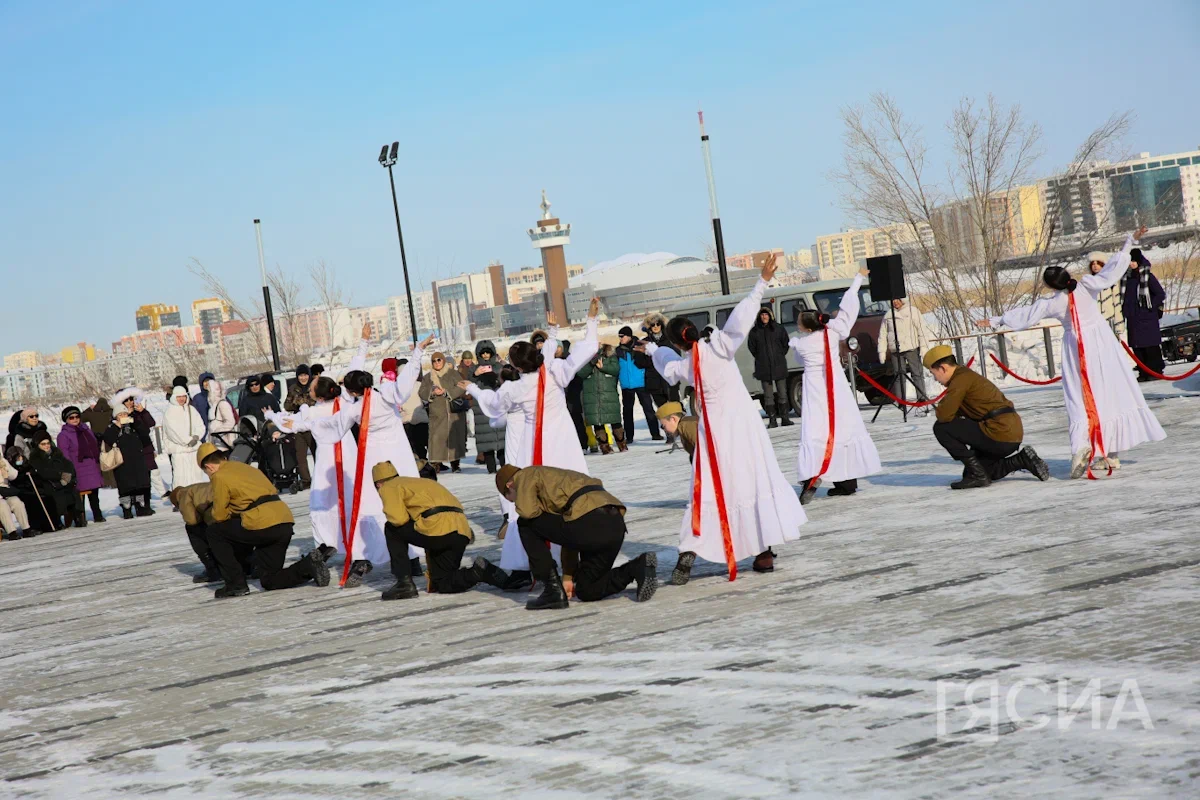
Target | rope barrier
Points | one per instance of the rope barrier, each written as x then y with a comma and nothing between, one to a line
897,400
1159,375
1012,374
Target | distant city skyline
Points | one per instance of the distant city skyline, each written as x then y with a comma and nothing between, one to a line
147,134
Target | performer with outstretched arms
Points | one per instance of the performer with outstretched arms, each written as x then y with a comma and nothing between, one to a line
1108,414
834,443
741,504
549,436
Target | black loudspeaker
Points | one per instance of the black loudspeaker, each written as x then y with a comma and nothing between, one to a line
886,276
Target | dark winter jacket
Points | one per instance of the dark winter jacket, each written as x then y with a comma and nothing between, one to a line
49,469
487,438
133,476
144,420
1142,324
601,400
768,343
656,384
79,445
97,417
21,435
254,403
297,396
34,492
200,400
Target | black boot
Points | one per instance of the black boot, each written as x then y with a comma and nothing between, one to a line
414,567
1031,461
772,422
231,591
843,488
142,509
94,501
212,572
454,466
127,512
402,589
322,553
14,536
358,570
974,475
81,520
487,572
785,420
147,504
645,572
318,570
683,569
518,580
764,561
553,595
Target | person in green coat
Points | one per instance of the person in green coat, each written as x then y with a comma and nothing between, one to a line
602,398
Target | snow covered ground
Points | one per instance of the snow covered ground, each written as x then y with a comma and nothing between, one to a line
121,678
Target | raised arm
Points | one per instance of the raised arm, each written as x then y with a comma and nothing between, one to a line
397,393
564,369
670,364
847,310
329,429
550,346
494,403
359,361
1024,317
1114,268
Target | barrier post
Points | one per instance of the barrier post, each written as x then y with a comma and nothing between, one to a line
1002,349
1049,352
958,356
158,443
980,354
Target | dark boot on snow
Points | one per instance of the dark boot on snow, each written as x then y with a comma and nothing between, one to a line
683,569
358,571
518,580
487,572
402,589
553,595
974,475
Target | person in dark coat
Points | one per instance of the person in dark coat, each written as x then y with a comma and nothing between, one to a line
79,444
131,401
303,441
574,398
255,399
661,392
634,366
200,399
39,504
601,401
768,343
1142,301
56,478
485,373
98,416
24,425
133,476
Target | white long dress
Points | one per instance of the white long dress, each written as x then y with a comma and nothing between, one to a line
763,507
386,441
517,400
854,454
181,424
1125,419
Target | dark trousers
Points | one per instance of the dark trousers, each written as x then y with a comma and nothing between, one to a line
198,539
304,443
909,362
597,537
577,419
964,437
1152,357
443,554
418,439
493,460
779,403
670,394
268,549
643,397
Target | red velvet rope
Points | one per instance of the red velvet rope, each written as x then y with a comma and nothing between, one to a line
718,487
1158,375
1012,374
358,479
895,399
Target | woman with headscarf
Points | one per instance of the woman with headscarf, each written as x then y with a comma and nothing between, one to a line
133,401
222,422
1142,301
741,503
133,474
57,481
184,431
447,428
1107,412
79,444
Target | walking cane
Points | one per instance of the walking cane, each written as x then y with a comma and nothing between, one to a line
40,503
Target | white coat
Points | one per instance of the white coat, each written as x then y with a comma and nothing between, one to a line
182,424
762,506
854,454
1125,419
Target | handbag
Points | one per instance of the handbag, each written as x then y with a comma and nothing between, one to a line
460,404
111,458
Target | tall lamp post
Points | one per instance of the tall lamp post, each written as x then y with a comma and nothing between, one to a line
387,159
262,266
712,207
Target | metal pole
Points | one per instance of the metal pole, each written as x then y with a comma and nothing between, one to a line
262,266
1002,348
712,207
980,355
1049,352
412,316
900,380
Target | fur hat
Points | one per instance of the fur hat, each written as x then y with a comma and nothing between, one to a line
538,336
1097,255
504,475
653,318
68,411
28,412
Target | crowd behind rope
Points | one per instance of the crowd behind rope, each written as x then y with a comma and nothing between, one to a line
379,445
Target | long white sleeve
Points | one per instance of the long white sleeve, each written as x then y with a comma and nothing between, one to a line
847,310
493,403
359,361
397,394
1114,268
332,428
550,346
729,338
1024,317
673,367
564,369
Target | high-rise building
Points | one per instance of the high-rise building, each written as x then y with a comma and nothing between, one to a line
80,353
838,255
377,317
550,236
499,291
26,359
157,316
208,314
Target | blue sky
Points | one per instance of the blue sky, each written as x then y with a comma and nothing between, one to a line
137,135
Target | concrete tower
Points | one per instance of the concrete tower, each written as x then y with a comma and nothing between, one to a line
550,236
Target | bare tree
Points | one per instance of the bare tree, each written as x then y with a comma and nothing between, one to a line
217,288
285,303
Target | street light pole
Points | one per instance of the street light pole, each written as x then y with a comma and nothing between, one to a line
712,207
387,159
262,266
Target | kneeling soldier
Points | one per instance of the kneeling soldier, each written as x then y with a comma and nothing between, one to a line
675,423
194,504
423,513
246,510
572,510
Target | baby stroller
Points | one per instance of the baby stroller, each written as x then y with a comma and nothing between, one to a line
270,449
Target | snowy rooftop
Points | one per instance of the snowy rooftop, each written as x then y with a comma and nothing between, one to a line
635,268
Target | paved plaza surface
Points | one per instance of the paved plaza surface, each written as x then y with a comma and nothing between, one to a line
120,678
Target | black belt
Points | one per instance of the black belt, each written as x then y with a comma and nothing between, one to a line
996,412
429,512
267,498
580,493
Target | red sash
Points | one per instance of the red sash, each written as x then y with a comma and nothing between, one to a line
829,402
1095,434
710,448
341,479
358,480
539,416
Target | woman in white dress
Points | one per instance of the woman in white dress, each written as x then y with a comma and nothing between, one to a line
184,430
760,506
851,454
1107,412
518,402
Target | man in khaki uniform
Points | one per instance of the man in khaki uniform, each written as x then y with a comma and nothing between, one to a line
246,510
194,504
571,509
674,422
423,513
978,425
